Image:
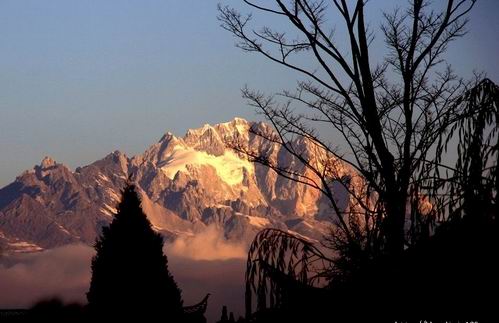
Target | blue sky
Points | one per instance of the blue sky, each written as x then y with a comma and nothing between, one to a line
79,79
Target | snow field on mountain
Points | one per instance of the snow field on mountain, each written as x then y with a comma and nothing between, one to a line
229,166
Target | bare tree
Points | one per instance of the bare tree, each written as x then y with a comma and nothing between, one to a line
391,115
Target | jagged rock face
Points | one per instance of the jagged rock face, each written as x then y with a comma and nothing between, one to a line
186,184
50,205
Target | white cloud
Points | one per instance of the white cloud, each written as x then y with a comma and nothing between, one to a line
207,244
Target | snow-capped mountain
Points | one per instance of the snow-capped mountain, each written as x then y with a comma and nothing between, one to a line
187,183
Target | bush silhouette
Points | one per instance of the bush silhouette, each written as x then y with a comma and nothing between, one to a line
130,275
53,310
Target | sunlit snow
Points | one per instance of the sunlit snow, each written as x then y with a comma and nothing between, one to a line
229,166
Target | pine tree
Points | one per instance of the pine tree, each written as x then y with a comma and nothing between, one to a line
130,273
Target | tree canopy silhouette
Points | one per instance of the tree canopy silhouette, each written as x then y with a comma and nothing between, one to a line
390,115
398,118
458,259
130,273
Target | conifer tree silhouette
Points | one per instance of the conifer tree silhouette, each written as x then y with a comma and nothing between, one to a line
130,275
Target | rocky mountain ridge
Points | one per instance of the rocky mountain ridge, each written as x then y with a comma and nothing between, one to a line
187,184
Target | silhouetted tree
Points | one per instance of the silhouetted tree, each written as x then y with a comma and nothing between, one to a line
390,115
394,118
284,270
130,276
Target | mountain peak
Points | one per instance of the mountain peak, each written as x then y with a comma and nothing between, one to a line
167,137
238,120
47,162
116,154
236,123
233,128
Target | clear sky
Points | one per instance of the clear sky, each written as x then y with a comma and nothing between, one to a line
79,79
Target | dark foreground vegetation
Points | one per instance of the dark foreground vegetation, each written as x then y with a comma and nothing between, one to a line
419,240
130,278
447,271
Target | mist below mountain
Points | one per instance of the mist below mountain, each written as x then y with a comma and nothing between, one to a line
64,272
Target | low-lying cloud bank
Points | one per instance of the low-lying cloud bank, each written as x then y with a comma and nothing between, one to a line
208,244
26,278
204,263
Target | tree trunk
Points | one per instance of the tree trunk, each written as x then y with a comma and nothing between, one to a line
394,223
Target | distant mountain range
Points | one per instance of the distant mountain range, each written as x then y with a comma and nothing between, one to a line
186,184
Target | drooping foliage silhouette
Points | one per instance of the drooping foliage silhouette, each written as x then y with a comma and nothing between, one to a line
130,275
277,259
473,184
449,273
